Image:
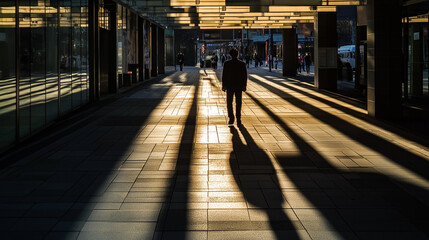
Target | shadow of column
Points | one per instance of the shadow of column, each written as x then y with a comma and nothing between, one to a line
176,220
353,203
395,153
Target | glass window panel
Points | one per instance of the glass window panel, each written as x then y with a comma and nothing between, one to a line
37,65
7,73
84,51
25,67
51,60
65,55
76,55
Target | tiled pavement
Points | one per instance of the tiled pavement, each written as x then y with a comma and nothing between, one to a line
161,163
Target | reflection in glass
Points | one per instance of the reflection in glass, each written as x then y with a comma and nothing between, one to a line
7,73
52,63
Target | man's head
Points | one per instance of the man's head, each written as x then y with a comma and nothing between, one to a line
233,52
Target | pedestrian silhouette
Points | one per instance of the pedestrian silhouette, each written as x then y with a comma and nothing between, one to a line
234,82
223,59
181,60
307,60
247,58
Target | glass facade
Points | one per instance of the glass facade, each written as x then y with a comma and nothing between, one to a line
7,72
418,57
44,64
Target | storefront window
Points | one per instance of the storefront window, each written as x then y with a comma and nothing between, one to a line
418,58
52,61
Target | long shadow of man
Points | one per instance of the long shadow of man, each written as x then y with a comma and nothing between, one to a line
261,191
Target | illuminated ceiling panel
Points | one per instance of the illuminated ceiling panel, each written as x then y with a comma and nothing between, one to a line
186,14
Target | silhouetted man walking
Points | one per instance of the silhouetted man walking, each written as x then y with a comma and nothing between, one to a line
234,81
181,60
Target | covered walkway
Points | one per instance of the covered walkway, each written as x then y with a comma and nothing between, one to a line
161,163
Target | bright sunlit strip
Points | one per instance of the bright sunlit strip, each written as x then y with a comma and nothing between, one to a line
364,125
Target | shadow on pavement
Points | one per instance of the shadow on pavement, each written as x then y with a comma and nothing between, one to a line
360,204
175,222
61,189
251,183
401,156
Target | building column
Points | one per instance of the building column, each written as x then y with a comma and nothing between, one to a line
154,50
384,37
325,51
161,50
417,65
290,52
93,51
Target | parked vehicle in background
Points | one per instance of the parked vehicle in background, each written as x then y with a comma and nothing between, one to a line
347,55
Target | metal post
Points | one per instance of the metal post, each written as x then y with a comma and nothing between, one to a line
174,50
269,50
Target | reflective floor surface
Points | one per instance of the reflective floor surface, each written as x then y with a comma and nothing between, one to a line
161,163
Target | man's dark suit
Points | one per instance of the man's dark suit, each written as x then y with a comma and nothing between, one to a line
234,81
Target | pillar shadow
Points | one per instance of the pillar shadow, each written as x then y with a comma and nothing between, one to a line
267,199
355,204
55,187
349,111
176,219
399,155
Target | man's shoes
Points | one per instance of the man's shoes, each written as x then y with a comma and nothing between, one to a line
231,121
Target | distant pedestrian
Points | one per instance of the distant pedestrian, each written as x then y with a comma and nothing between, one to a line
234,81
256,60
214,61
181,60
247,60
276,62
223,59
300,62
307,60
